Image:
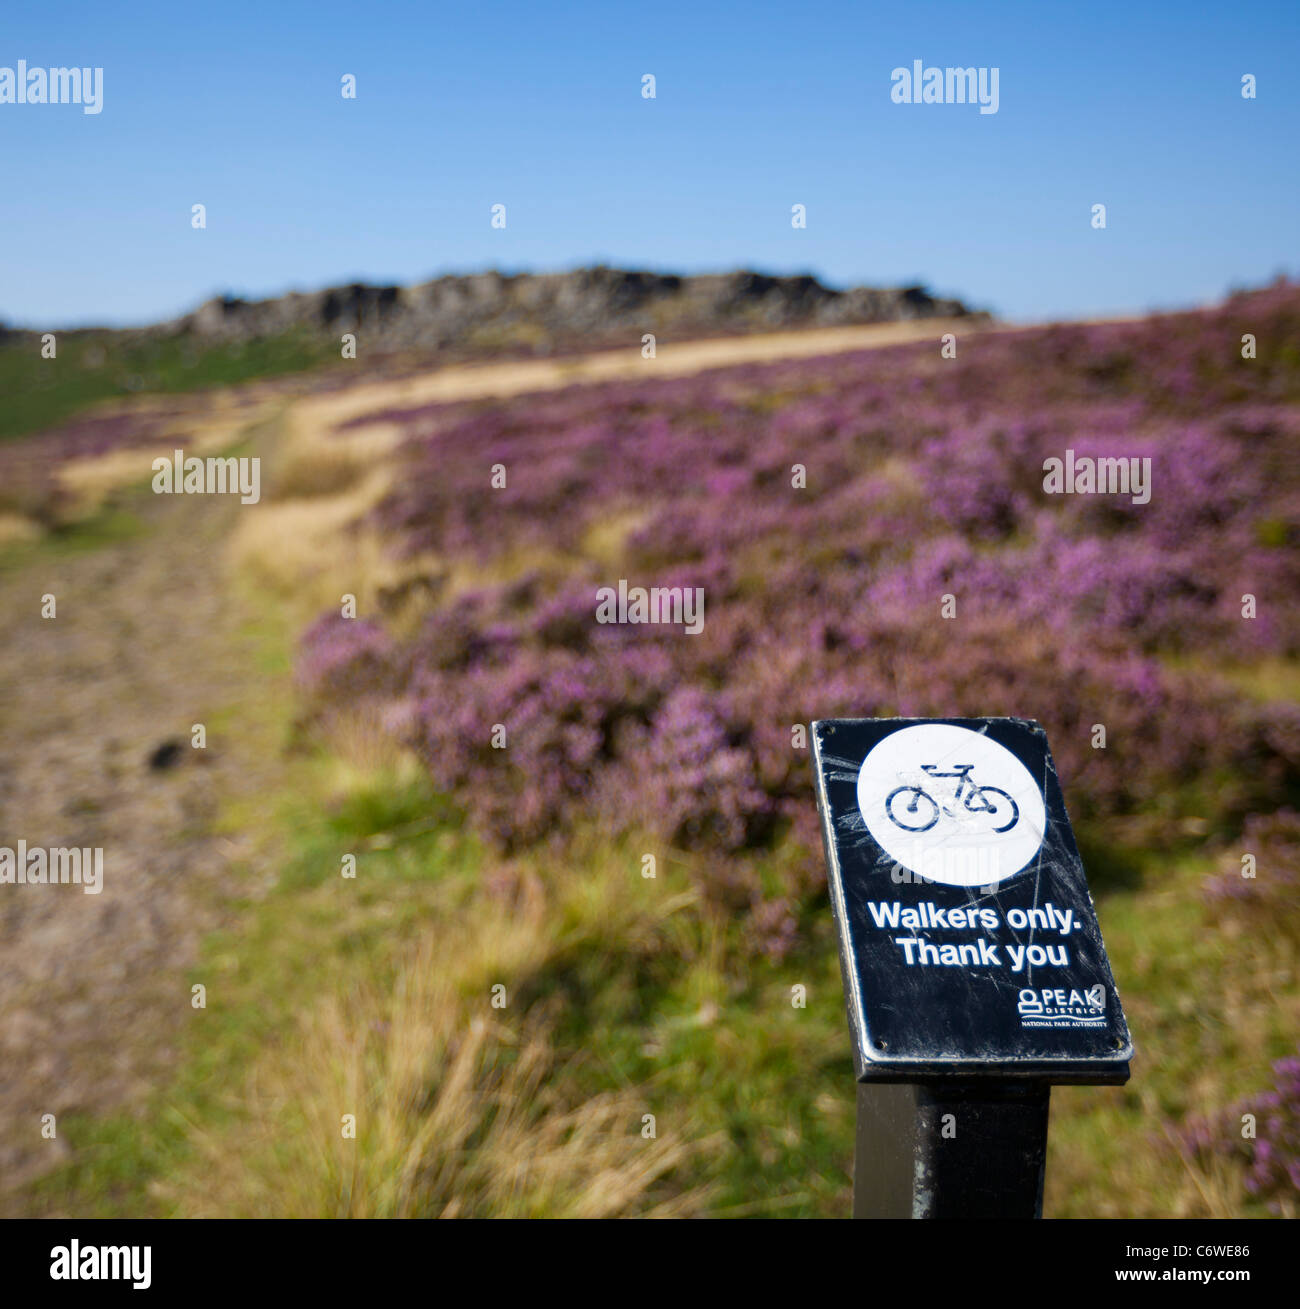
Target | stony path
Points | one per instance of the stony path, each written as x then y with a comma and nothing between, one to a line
94,988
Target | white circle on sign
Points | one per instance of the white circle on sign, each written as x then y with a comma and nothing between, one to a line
951,805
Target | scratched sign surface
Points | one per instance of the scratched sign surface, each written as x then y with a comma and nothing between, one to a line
968,939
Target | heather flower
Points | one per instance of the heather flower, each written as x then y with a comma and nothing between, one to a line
343,657
1271,1157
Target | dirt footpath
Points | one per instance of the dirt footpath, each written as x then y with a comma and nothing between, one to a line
679,359
93,988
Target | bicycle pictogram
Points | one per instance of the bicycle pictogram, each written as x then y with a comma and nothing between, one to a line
914,809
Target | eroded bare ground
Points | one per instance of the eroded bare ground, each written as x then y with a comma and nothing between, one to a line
93,988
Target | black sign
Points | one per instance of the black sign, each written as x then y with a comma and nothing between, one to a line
968,940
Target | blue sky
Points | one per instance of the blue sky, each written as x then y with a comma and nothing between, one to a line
538,106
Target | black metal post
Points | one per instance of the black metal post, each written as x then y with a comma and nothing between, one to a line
960,1149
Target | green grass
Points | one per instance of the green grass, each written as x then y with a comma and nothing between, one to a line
1212,1002
93,366
114,524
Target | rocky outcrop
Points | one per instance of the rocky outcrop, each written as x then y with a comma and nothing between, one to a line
540,312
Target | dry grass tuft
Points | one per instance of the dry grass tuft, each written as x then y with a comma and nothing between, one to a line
306,543
460,1109
18,527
